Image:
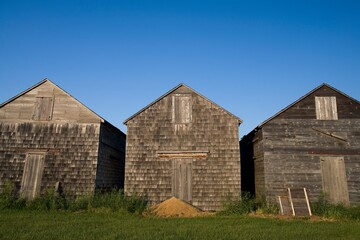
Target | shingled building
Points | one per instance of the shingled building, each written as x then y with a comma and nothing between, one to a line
48,137
183,145
314,143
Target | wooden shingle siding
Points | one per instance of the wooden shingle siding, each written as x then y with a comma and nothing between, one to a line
71,153
211,130
81,150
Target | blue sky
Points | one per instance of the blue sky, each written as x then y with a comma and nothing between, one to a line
251,57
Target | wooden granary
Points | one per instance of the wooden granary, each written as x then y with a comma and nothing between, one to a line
48,138
183,145
314,143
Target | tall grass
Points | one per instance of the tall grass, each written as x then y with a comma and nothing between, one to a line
114,201
247,204
324,208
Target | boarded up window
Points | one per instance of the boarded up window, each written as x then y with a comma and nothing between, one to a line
334,179
32,174
182,179
43,109
181,109
326,108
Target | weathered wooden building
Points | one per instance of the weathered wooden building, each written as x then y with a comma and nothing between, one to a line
314,143
183,145
48,137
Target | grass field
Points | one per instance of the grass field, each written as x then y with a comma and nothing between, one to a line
26,224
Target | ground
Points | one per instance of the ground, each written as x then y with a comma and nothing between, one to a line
104,224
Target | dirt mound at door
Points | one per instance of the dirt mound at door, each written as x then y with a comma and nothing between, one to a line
175,207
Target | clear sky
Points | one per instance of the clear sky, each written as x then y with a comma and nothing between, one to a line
251,57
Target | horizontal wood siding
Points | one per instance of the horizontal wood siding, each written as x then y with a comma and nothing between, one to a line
210,129
306,109
293,150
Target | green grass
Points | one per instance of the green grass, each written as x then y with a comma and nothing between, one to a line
106,224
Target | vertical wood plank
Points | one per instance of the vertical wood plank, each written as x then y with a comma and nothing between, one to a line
326,108
181,109
334,179
43,108
32,174
182,179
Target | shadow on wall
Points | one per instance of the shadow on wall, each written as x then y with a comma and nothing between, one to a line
247,165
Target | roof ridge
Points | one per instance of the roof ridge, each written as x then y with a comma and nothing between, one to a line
301,98
42,82
169,92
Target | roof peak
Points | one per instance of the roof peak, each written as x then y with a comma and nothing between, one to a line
171,91
301,98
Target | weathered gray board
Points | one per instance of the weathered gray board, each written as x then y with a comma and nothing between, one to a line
43,108
299,202
334,179
286,150
285,205
32,175
182,179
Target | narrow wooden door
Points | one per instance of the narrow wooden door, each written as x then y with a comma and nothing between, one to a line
182,179
334,179
32,174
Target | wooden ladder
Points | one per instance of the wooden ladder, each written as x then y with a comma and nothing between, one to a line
295,203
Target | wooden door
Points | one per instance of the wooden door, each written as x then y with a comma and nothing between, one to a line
182,179
32,174
334,179
43,109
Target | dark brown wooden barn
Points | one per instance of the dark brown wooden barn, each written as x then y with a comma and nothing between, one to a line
314,143
183,145
48,137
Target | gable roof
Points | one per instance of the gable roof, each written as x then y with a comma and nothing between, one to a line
303,97
173,90
42,82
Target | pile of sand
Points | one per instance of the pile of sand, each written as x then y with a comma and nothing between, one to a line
175,207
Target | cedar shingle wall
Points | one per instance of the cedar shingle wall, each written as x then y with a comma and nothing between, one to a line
211,129
71,152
